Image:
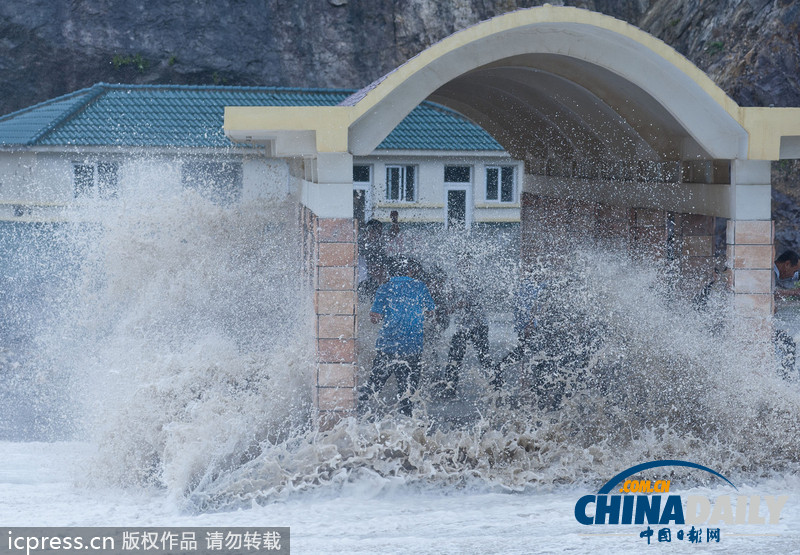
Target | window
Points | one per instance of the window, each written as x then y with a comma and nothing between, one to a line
401,183
362,181
457,174
95,180
362,175
220,182
83,177
500,183
107,180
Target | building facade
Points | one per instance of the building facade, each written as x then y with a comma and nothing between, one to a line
100,144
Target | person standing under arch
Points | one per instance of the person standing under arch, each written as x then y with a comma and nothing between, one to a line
472,326
402,303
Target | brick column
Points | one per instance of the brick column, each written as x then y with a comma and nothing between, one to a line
648,233
582,218
750,255
553,226
612,226
335,314
694,246
750,237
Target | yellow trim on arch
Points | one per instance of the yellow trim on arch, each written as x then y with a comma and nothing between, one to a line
330,124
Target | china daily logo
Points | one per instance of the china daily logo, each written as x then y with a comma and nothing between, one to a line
650,502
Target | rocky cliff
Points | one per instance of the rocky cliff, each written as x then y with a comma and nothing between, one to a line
751,48
50,47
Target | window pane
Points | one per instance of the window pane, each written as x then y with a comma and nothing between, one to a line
83,175
492,175
361,174
220,182
409,183
456,174
507,185
107,180
393,183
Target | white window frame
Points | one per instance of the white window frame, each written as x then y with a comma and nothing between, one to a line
461,183
403,192
500,168
365,186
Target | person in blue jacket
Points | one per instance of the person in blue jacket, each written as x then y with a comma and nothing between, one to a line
402,303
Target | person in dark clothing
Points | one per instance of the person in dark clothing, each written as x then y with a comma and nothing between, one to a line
402,303
394,244
435,279
558,337
372,258
786,269
526,323
472,326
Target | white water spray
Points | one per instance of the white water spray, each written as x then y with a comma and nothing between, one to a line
187,344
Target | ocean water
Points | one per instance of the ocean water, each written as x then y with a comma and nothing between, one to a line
41,485
158,366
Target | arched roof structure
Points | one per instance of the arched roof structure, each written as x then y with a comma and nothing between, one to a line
563,85
545,82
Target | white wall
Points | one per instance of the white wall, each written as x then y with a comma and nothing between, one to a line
38,185
33,178
266,178
431,198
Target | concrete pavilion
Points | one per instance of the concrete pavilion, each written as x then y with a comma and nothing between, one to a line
620,134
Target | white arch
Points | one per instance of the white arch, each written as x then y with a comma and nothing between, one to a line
703,110
632,72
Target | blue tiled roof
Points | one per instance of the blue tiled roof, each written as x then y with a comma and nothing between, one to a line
192,116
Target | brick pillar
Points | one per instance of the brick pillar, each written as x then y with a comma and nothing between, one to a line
612,226
694,246
335,314
648,233
751,254
582,218
750,237
553,226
